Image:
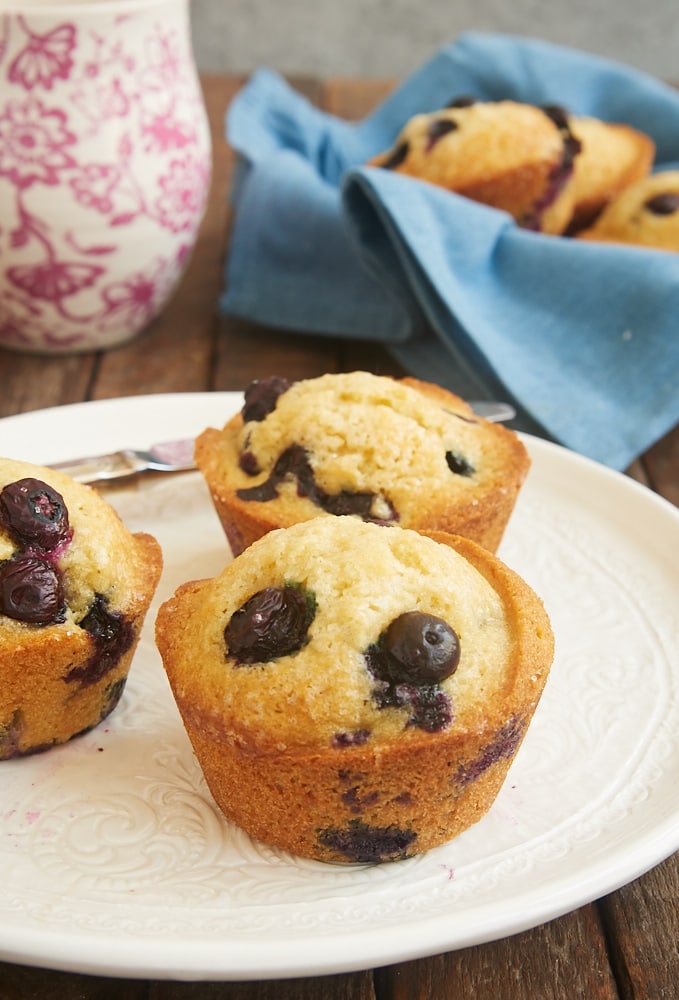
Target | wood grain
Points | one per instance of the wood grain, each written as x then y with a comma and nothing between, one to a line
564,958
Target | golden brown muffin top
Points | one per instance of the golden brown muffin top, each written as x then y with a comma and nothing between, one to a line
644,214
98,554
357,578
408,443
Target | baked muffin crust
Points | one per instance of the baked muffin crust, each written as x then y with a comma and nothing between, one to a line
314,751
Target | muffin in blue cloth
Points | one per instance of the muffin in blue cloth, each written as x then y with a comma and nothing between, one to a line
612,157
512,156
645,214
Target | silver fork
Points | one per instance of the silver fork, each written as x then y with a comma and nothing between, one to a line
177,456
167,456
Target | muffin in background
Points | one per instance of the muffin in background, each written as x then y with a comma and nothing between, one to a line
355,693
509,155
75,586
394,451
612,156
646,214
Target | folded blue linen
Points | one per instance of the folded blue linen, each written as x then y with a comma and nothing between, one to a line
581,337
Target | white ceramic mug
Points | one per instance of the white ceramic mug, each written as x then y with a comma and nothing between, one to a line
105,164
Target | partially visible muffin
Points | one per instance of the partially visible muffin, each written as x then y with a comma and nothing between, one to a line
355,693
395,451
75,586
612,156
512,156
646,214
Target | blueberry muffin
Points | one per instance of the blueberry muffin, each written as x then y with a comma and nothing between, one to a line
394,451
612,156
512,156
75,586
355,693
646,214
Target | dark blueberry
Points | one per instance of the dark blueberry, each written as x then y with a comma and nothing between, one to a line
262,395
459,464
364,843
31,591
396,157
663,204
34,513
437,129
294,463
561,172
361,504
465,101
571,148
559,115
249,464
430,709
348,503
409,660
420,649
272,623
113,635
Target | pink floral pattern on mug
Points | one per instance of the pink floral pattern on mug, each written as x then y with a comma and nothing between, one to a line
105,164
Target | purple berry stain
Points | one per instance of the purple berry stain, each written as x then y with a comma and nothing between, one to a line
360,842
294,464
503,746
112,634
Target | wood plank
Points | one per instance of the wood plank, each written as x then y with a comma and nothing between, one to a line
564,958
662,464
245,350
241,345
367,356
354,99
352,986
34,381
17,982
643,928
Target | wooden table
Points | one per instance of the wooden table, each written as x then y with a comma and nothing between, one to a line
622,946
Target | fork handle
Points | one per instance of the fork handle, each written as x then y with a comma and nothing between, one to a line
98,468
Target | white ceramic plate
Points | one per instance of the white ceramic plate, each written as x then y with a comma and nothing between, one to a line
115,860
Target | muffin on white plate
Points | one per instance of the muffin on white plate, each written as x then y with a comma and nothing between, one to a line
394,451
356,693
75,586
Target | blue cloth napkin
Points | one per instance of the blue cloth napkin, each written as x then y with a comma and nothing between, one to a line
581,337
